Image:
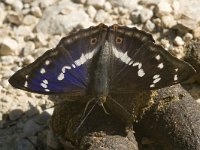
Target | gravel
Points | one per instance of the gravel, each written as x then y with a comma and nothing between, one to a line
30,27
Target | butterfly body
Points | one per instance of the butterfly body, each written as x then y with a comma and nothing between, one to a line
102,60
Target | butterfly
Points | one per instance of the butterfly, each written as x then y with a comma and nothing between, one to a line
102,60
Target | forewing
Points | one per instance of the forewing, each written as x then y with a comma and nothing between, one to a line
65,68
147,67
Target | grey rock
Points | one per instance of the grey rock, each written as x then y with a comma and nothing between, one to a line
135,16
146,14
130,4
53,22
24,144
96,3
15,114
44,116
149,26
31,128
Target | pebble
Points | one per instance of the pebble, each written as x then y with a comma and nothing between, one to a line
6,60
187,37
28,59
145,14
23,30
149,26
196,32
3,14
33,111
8,46
96,3
129,4
108,6
15,18
44,116
42,38
15,114
135,16
17,5
4,83
29,47
179,41
164,8
91,11
168,21
102,16
36,11
30,20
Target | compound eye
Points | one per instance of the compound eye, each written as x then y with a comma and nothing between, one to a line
93,41
118,40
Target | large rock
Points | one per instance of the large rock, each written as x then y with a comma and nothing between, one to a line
62,18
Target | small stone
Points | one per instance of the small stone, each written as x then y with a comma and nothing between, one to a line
5,83
36,11
7,60
42,38
149,26
129,4
3,14
135,16
28,59
91,11
187,37
96,3
146,14
28,49
102,16
17,5
23,30
178,41
8,46
196,32
15,18
165,43
164,8
45,4
33,111
169,21
15,114
30,20
108,6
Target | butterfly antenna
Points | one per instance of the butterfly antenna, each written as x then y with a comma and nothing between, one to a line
86,107
85,117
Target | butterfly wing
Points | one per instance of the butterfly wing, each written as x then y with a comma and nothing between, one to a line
65,68
139,64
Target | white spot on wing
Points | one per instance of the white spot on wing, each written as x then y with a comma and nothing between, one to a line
158,57
42,70
122,56
65,67
26,84
45,81
156,76
141,73
43,85
81,60
61,76
156,80
160,65
47,90
47,62
176,69
152,85
175,77
73,66
136,64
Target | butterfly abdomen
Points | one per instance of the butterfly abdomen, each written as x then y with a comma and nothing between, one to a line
101,80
